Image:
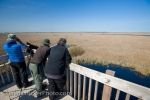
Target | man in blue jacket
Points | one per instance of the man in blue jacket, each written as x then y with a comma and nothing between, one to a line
13,47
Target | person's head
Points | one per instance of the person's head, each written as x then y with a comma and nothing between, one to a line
11,37
46,42
62,41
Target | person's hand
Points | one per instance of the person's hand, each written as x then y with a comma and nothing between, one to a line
17,39
28,43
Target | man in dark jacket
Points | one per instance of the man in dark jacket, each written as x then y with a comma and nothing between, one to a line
37,64
13,47
58,60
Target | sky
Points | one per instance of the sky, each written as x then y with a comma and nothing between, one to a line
74,15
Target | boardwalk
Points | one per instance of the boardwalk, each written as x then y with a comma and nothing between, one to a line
11,92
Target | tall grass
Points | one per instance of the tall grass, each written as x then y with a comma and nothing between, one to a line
123,50
88,61
76,51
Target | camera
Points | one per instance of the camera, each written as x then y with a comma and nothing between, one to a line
30,48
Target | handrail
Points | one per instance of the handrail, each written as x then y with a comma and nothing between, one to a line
3,58
114,82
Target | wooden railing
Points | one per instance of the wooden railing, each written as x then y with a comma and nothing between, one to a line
82,80
6,75
83,84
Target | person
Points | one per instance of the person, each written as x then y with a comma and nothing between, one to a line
58,60
14,48
37,64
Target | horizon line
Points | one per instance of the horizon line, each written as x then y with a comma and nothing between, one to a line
75,32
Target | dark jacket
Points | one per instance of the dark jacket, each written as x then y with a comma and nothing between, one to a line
41,55
58,60
14,51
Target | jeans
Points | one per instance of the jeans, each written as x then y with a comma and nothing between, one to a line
37,74
20,73
56,85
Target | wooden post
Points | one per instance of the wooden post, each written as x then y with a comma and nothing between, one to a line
117,95
95,91
3,81
75,85
89,91
12,73
84,87
71,83
107,89
127,97
67,83
8,77
79,86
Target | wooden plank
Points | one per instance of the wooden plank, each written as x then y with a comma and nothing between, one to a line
127,97
89,91
12,73
79,86
107,89
84,88
8,77
67,97
126,86
96,90
75,85
11,92
4,58
4,64
71,83
7,73
2,77
117,95
67,83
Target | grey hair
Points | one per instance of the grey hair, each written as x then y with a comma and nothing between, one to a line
62,41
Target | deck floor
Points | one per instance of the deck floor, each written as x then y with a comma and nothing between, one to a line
11,92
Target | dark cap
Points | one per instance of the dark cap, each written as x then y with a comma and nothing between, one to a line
46,42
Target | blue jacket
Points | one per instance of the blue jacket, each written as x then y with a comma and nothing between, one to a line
14,51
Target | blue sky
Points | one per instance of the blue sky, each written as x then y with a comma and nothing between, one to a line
74,15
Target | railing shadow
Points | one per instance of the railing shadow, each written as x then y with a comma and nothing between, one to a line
7,86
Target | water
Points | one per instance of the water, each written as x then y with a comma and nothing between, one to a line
123,73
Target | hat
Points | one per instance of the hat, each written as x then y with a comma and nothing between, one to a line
11,36
46,42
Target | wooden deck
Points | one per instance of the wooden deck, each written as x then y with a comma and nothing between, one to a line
11,92
68,97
